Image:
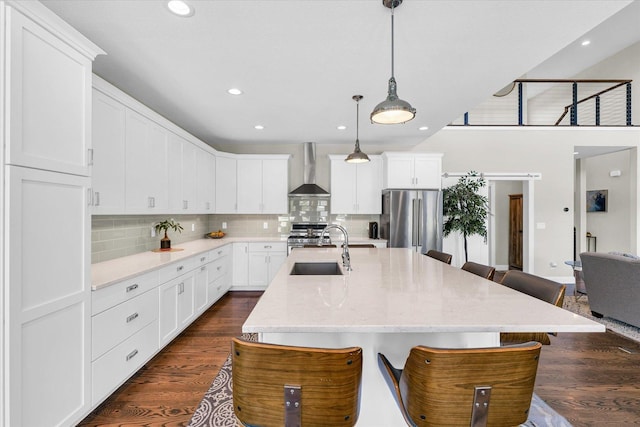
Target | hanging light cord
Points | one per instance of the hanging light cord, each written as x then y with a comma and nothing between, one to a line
357,121
393,3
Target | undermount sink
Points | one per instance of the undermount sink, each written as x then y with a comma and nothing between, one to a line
316,269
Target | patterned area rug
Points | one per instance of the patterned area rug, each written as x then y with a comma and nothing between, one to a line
580,305
216,407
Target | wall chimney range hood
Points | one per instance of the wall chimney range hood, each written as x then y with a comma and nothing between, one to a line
309,188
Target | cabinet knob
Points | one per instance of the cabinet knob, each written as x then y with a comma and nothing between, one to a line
202,258
132,287
180,268
133,317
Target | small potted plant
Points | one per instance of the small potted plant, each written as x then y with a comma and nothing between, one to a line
165,242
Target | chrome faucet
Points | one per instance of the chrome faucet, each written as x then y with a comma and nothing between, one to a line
346,258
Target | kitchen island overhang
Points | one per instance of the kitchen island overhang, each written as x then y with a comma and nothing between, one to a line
392,300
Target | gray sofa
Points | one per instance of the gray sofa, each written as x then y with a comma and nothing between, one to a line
613,286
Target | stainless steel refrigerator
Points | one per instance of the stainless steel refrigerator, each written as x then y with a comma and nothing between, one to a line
412,219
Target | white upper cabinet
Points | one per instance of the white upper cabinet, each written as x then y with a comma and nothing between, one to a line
48,84
107,177
356,188
181,171
226,185
412,170
146,165
263,184
205,182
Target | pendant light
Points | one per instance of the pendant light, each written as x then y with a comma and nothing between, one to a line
392,110
357,156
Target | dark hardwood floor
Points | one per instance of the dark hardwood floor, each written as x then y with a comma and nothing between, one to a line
591,379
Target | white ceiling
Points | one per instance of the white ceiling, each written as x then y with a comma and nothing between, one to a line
300,62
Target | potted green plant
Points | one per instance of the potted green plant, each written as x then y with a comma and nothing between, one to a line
165,242
465,210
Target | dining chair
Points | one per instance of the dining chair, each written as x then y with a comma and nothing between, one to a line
440,256
481,270
280,385
464,387
537,287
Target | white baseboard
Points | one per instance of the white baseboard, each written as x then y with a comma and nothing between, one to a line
567,280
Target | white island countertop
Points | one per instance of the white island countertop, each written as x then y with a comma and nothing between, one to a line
398,290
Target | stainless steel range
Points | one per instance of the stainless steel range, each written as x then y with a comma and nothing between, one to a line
306,233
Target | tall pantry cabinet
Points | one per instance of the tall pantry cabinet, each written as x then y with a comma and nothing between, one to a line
45,87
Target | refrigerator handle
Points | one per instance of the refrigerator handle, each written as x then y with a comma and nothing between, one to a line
419,221
413,222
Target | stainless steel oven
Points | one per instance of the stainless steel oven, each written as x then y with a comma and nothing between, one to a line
306,233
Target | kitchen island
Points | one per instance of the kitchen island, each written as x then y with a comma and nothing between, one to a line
393,300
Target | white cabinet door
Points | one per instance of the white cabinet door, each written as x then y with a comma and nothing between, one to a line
226,185
108,171
356,188
145,165
369,191
177,306
250,186
258,269
201,282
400,172
48,295
49,97
343,187
275,182
276,259
205,182
188,176
428,172
175,173
240,265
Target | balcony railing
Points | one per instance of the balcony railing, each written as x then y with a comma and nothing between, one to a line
544,102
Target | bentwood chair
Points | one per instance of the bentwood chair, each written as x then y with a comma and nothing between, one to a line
464,387
440,256
537,287
479,269
278,385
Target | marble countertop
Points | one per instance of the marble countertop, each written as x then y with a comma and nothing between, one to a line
398,290
109,272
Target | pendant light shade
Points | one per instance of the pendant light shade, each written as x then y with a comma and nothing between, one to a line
357,156
392,110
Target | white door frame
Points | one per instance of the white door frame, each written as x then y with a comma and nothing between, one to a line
528,187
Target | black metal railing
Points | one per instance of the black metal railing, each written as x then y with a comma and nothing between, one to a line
547,102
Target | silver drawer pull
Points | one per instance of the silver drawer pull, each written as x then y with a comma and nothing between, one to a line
180,268
203,268
133,317
219,252
132,355
219,268
132,287
202,259
267,246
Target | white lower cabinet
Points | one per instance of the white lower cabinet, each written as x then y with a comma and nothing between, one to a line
177,306
240,278
264,261
117,365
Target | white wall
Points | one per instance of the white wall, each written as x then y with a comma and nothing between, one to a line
545,150
612,227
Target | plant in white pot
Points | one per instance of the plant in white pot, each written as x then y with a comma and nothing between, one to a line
165,242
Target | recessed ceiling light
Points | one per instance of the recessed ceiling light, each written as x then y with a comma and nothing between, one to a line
235,91
342,127
259,127
586,42
180,8
423,128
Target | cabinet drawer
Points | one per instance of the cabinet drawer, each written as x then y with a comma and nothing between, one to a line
114,367
113,326
201,259
176,269
220,252
268,246
218,288
113,295
218,268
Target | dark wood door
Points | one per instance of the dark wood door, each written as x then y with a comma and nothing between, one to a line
515,232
